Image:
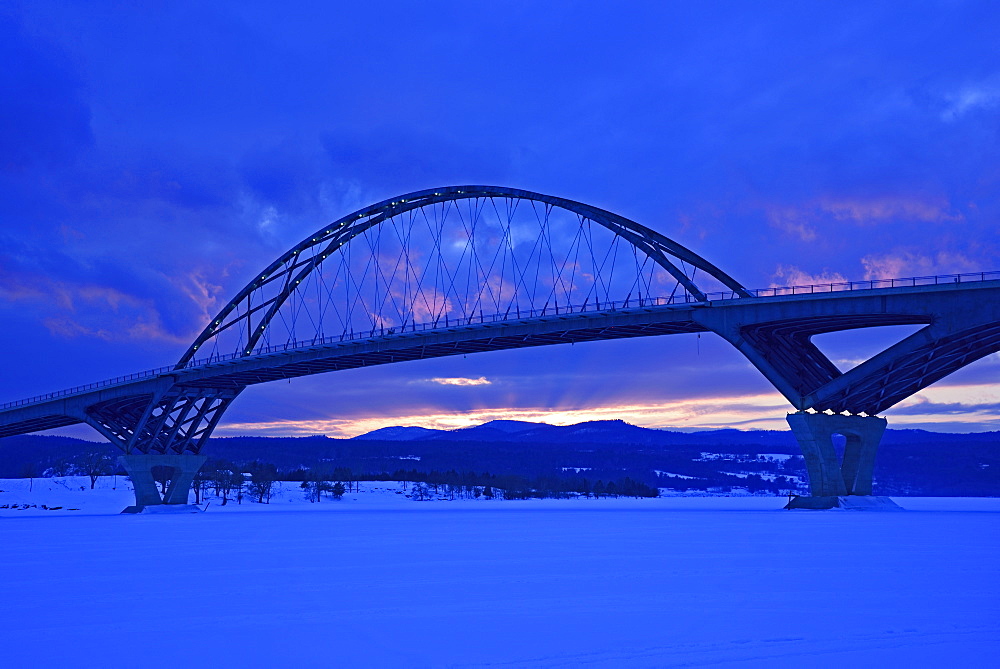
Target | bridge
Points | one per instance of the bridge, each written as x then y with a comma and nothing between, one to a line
468,269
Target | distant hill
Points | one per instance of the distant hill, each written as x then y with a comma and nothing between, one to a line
398,433
913,462
597,432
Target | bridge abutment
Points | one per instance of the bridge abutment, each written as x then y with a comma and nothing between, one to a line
140,469
832,478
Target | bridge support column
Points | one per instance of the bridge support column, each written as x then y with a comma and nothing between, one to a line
832,479
140,470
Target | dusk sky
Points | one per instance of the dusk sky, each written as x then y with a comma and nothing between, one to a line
154,156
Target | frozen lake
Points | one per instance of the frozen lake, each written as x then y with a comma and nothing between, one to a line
377,580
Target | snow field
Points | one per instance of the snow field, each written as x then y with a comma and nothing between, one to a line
378,580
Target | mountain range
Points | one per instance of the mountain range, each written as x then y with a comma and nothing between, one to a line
909,461
620,432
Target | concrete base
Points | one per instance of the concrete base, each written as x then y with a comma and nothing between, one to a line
164,508
140,469
846,502
828,476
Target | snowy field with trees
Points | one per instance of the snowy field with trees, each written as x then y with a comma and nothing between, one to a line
379,579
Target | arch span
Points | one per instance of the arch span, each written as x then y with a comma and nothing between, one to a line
448,253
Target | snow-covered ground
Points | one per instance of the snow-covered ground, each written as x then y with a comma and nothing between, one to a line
378,580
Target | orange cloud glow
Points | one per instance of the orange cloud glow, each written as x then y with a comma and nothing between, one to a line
789,275
761,411
758,411
799,220
460,381
904,264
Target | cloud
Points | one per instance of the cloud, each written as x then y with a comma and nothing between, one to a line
909,263
68,329
206,294
44,119
72,310
973,406
569,385
789,275
924,407
968,99
758,411
809,220
888,208
793,221
460,381
978,405
395,161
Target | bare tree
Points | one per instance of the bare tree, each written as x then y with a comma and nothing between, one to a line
262,478
222,481
60,467
239,486
95,463
29,471
316,483
199,484
225,482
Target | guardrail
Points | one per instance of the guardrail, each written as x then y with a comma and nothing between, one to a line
873,284
640,302
117,381
599,306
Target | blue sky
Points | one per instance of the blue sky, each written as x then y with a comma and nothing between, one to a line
153,156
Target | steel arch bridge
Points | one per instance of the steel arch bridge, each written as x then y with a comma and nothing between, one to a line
514,249
478,268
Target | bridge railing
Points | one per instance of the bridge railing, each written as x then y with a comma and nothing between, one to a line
117,381
446,321
872,284
639,302
554,310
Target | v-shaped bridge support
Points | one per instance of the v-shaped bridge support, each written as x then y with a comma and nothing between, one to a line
141,469
775,336
851,475
164,428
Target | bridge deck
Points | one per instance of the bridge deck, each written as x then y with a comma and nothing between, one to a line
801,311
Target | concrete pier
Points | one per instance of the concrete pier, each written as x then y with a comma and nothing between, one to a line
830,477
140,470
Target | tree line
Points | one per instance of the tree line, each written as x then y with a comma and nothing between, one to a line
257,480
455,484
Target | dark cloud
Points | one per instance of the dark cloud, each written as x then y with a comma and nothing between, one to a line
44,118
403,161
926,407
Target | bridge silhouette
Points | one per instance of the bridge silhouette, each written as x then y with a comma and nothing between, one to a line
468,269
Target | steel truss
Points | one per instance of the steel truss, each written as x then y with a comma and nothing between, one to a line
177,421
882,386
